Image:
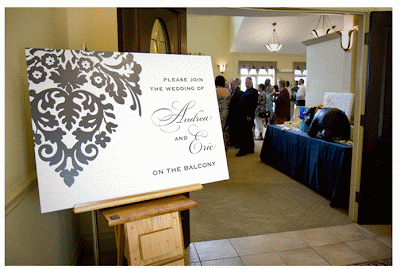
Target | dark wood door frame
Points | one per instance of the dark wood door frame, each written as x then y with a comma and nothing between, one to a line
375,196
133,28
134,34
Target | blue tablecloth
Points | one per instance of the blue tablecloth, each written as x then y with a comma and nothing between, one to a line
322,166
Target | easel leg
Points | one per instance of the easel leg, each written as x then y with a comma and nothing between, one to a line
95,238
120,238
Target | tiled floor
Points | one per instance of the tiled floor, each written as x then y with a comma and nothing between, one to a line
338,245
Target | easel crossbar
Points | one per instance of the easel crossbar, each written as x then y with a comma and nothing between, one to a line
136,198
147,209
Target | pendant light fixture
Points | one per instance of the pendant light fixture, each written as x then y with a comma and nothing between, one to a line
274,46
325,29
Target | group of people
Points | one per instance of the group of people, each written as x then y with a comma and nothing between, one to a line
240,111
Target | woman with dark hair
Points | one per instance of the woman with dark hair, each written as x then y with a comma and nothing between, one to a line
220,81
224,98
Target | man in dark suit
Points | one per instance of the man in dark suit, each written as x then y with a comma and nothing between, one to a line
247,108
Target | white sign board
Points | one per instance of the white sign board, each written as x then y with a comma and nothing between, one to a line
110,124
342,101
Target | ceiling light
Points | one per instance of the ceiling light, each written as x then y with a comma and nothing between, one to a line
325,29
274,46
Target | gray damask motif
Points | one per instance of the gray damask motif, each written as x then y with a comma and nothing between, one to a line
67,111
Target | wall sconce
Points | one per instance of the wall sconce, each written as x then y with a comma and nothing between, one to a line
346,39
222,68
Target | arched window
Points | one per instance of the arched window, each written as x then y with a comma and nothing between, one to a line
258,71
159,42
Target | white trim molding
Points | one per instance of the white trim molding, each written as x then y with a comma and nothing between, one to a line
321,39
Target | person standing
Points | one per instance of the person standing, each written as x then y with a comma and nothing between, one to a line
260,115
282,104
293,91
224,98
269,104
247,108
301,94
233,115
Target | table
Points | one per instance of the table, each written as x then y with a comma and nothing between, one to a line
324,167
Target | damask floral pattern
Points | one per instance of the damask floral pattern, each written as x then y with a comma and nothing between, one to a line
69,122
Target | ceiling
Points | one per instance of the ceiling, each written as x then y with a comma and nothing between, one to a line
292,27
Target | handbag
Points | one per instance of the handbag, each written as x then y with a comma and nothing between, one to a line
263,114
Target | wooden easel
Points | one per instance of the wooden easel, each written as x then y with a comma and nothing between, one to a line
148,228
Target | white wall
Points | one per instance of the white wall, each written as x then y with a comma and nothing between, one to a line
328,68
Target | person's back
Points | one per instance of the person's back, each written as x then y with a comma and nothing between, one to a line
248,102
301,94
282,102
247,107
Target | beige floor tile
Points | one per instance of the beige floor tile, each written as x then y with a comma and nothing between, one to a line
387,240
251,245
286,241
264,259
350,232
303,256
318,237
379,230
216,249
224,262
191,254
339,254
371,249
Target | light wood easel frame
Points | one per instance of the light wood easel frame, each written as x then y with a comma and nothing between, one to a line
152,206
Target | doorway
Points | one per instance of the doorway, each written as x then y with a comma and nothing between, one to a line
360,85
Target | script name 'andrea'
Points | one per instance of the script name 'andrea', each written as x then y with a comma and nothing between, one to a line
169,119
183,79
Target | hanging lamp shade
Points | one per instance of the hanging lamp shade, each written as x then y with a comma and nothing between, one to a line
325,28
274,45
